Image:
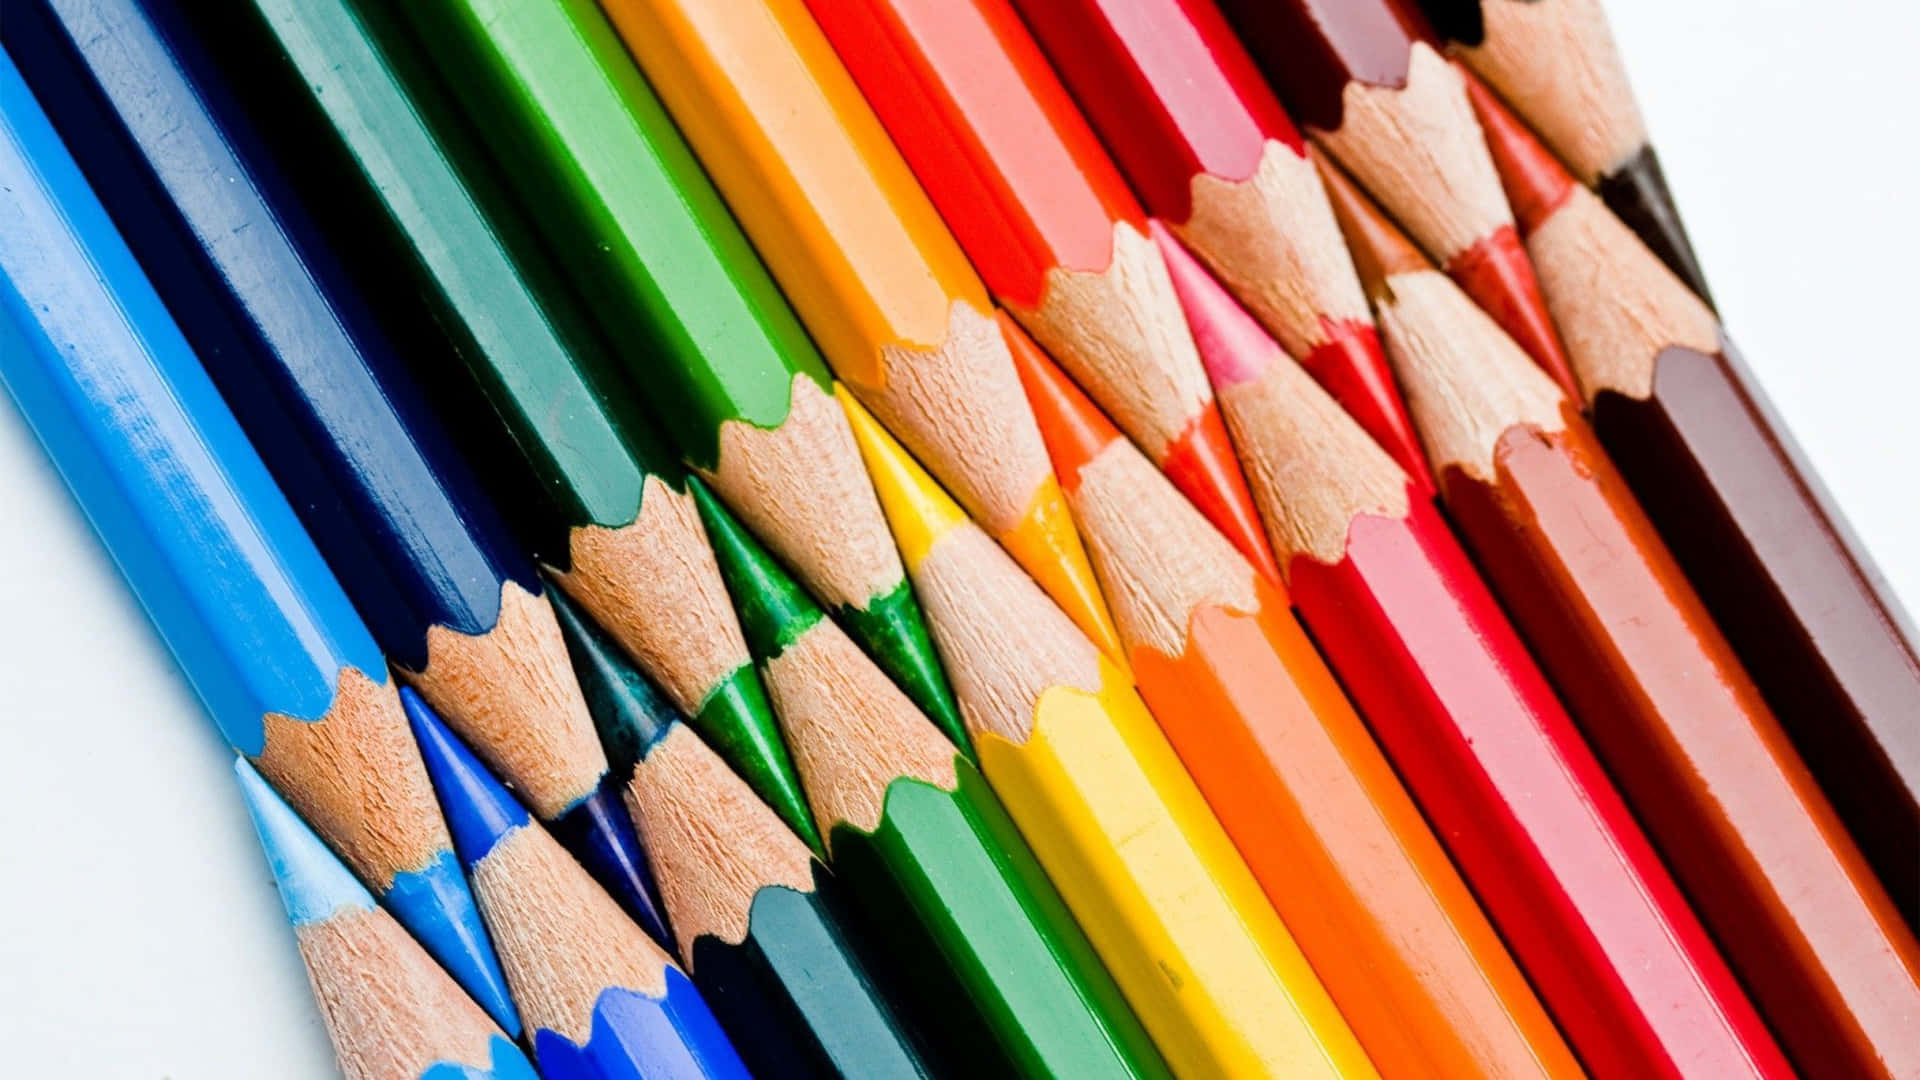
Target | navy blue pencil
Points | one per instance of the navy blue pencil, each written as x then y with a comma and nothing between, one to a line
316,378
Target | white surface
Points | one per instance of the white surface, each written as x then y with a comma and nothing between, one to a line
140,936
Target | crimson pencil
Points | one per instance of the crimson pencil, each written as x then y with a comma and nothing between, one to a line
1366,79
1047,220
1203,140
1474,729
1660,693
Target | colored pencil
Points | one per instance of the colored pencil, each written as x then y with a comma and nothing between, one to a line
614,523
600,998
1046,218
389,1009
1816,937
693,314
1473,727
995,969
759,921
261,628
865,261
1556,64
1366,79
1104,803
316,379
1287,765
1697,440
1203,140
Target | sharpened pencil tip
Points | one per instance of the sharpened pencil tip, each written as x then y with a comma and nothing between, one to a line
313,882
480,811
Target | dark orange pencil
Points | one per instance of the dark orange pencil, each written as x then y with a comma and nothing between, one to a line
1659,692
1290,769
1366,79
1047,220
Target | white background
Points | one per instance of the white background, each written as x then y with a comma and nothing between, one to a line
140,936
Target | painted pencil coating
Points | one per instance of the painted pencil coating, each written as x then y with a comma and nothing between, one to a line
282,663
1473,727
1008,985
865,260
1291,771
1199,134
389,1009
1818,940
601,1001
1556,63
693,313
1046,217
1107,808
609,514
1366,80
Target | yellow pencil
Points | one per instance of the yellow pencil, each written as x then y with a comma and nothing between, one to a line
866,261
1098,793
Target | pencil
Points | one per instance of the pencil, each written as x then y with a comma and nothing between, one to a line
1104,803
1744,513
1556,64
390,1011
316,379
1290,770
693,314
1473,727
759,921
866,262
993,966
283,665
1049,223
1201,137
1821,945
1365,78
600,999
609,515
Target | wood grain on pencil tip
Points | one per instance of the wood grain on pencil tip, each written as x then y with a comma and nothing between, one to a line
1825,952
1199,134
1291,771
1366,80
1047,219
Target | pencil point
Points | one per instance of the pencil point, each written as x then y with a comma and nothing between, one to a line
774,610
629,712
1535,181
1380,250
599,832
1072,426
918,510
313,882
480,811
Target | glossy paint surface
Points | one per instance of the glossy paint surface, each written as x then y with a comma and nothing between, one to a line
164,473
284,331
1735,812
987,958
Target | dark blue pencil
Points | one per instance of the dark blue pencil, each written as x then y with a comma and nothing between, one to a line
600,1000
316,378
285,667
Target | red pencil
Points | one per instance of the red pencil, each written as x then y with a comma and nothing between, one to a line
1366,79
1833,966
1203,140
1049,223
1474,729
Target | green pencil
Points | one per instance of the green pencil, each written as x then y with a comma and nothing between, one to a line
611,518
692,312
991,963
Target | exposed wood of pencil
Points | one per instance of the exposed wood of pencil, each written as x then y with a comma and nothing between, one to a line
511,693
390,1011
713,843
655,587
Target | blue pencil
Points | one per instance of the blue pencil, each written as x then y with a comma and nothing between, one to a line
389,1009
286,669
601,1000
316,378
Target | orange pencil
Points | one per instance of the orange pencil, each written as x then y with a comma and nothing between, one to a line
866,262
1291,771
1049,223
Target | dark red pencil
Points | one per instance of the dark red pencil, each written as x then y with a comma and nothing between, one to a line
1470,722
1201,137
1366,79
